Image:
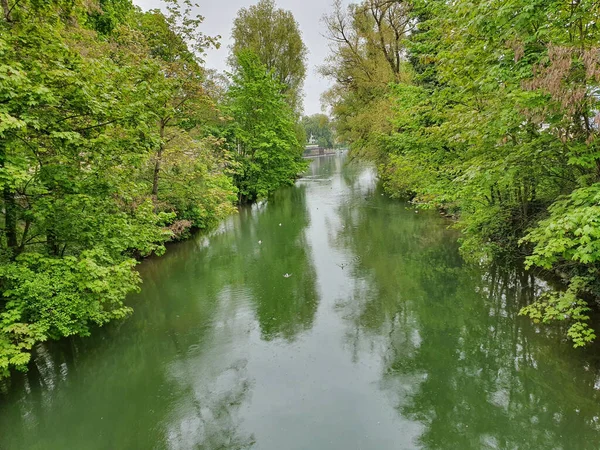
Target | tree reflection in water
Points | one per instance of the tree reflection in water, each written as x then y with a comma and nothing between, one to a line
405,347
455,355
207,417
162,366
284,306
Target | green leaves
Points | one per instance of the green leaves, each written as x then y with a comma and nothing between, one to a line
47,298
565,306
83,94
273,35
263,131
571,233
495,121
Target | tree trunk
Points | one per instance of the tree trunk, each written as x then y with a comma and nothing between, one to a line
6,10
10,211
156,171
525,200
158,159
10,219
21,247
52,243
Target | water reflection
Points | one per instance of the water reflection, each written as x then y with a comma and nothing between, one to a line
207,417
174,375
285,306
137,387
381,338
456,356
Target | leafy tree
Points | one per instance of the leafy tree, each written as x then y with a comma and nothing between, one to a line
179,100
274,36
83,94
72,132
491,116
263,132
109,15
319,127
184,166
367,40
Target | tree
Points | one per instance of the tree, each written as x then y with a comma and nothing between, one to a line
319,128
266,147
491,114
176,45
368,45
82,96
73,132
274,36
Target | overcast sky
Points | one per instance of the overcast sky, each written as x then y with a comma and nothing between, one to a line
218,20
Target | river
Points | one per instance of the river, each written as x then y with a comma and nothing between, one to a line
379,337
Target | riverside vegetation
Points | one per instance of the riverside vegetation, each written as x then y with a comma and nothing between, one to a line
488,110
114,140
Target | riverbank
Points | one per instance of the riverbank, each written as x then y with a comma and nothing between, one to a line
115,139
380,315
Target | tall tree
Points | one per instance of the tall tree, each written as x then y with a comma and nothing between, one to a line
80,99
263,130
368,51
493,117
274,36
176,44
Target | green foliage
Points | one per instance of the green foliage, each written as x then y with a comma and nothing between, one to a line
565,306
106,153
320,129
113,140
48,298
367,57
274,37
266,147
494,120
569,239
571,233
108,15
196,181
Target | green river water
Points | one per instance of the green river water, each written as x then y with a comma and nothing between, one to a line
381,338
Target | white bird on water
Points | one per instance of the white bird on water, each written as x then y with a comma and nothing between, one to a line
259,242
279,224
287,275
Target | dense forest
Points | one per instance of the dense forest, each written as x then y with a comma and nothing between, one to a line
489,111
115,139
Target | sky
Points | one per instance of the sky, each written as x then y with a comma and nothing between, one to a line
218,20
